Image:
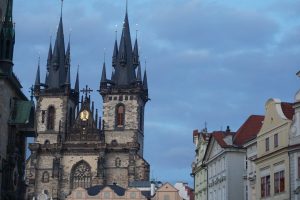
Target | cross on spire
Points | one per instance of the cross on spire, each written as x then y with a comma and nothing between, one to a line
86,91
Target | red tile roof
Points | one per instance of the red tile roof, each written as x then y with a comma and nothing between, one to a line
248,130
219,137
288,110
190,192
195,132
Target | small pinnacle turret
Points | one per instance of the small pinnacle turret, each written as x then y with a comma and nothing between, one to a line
76,87
115,54
135,53
145,81
7,34
37,83
139,74
103,76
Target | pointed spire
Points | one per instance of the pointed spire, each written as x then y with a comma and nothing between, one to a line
49,55
68,53
125,44
38,76
139,74
7,34
112,76
145,81
68,77
59,47
76,88
115,54
9,11
103,76
136,53
58,69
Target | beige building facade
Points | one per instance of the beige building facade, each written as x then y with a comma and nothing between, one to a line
199,172
167,192
272,163
107,193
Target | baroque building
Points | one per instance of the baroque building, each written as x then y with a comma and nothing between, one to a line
16,113
199,172
294,150
272,162
74,147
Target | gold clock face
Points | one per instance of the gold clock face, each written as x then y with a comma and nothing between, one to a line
84,115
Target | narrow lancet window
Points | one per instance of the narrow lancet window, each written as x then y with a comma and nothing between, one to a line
50,119
120,115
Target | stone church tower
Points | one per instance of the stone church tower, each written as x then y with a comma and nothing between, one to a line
76,148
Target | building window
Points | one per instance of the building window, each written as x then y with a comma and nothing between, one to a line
267,144
45,177
166,197
43,116
81,175
132,195
118,162
276,140
50,119
265,186
279,182
106,195
142,118
120,115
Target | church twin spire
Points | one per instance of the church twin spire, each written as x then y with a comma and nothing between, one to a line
125,61
58,75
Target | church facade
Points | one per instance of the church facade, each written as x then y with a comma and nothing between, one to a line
74,147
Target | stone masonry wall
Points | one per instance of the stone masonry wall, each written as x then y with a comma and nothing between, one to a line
6,95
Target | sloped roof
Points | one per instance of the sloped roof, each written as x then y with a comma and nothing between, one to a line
93,191
288,110
248,130
219,137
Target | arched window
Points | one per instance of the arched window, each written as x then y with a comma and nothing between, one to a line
45,177
81,175
120,115
50,119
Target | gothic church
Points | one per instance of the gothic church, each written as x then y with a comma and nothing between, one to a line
74,146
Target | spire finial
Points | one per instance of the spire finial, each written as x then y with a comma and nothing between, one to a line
104,54
136,31
126,6
61,8
116,31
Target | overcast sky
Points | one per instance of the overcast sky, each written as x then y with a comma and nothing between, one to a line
211,61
